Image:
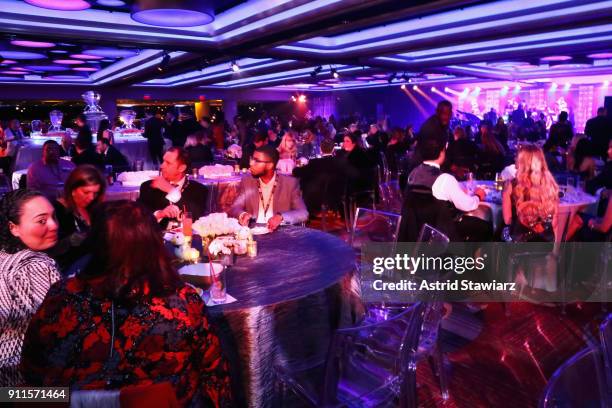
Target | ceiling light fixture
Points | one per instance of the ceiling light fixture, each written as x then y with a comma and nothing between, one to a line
316,71
335,73
392,77
234,66
173,13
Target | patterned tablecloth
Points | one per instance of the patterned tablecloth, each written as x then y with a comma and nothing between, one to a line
290,299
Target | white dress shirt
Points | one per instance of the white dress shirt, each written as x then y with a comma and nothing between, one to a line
174,195
266,190
446,188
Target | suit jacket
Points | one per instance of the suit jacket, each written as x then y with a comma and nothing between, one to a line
116,159
287,199
89,156
194,196
322,180
153,131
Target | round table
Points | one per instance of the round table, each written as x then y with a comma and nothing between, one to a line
569,205
290,299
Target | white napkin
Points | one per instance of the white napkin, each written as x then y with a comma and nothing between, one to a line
207,299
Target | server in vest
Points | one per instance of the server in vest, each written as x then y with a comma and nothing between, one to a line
171,192
436,198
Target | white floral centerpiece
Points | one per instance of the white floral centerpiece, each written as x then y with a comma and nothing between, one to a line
222,234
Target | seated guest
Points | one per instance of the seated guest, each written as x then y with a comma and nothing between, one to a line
396,148
445,189
377,139
111,156
49,173
274,139
171,192
27,228
267,196
360,168
462,154
104,131
493,155
582,159
130,300
68,148
586,228
287,148
321,180
198,148
603,179
85,152
83,191
309,148
261,139
5,158
554,160
530,202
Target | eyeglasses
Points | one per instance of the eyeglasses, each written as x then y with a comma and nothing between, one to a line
259,161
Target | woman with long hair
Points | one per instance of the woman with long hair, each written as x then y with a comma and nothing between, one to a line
493,154
287,148
127,320
27,228
530,202
83,191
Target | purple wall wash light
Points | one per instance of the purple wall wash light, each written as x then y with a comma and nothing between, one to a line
68,62
46,68
65,5
85,69
173,13
86,57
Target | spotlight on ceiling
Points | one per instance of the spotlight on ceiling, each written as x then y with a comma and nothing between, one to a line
392,77
403,86
414,87
163,65
553,86
433,89
302,98
567,86
446,89
404,77
234,66
293,98
335,73
316,71
606,83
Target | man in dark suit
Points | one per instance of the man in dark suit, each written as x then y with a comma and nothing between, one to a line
111,156
599,129
267,196
261,139
153,133
322,180
86,152
171,192
173,129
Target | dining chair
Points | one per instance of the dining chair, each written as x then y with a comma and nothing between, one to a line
605,334
370,365
372,225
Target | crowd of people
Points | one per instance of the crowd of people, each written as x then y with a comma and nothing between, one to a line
89,296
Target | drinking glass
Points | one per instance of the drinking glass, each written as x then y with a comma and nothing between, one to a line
187,223
218,288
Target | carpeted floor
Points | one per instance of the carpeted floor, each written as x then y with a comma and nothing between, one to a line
499,361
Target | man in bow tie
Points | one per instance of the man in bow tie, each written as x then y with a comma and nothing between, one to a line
169,193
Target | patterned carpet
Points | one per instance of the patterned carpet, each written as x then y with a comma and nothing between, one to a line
499,361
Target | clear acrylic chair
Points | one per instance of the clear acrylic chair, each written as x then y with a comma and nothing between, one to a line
605,334
577,383
371,365
391,196
374,226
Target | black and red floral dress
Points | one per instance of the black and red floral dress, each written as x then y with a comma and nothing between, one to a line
68,343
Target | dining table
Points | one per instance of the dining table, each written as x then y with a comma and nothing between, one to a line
572,201
290,299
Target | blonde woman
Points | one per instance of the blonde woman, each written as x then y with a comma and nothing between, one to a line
530,202
288,147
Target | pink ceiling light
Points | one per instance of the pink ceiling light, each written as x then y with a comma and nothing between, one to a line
86,57
8,62
68,62
556,58
65,5
12,72
600,55
85,69
33,44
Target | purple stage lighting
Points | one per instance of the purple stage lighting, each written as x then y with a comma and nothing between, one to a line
601,55
65,5
85,69
33,44
556,58
173,13
111,3
8,62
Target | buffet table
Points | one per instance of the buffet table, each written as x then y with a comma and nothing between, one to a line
290,299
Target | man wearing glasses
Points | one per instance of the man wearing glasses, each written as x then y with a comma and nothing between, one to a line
266,196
